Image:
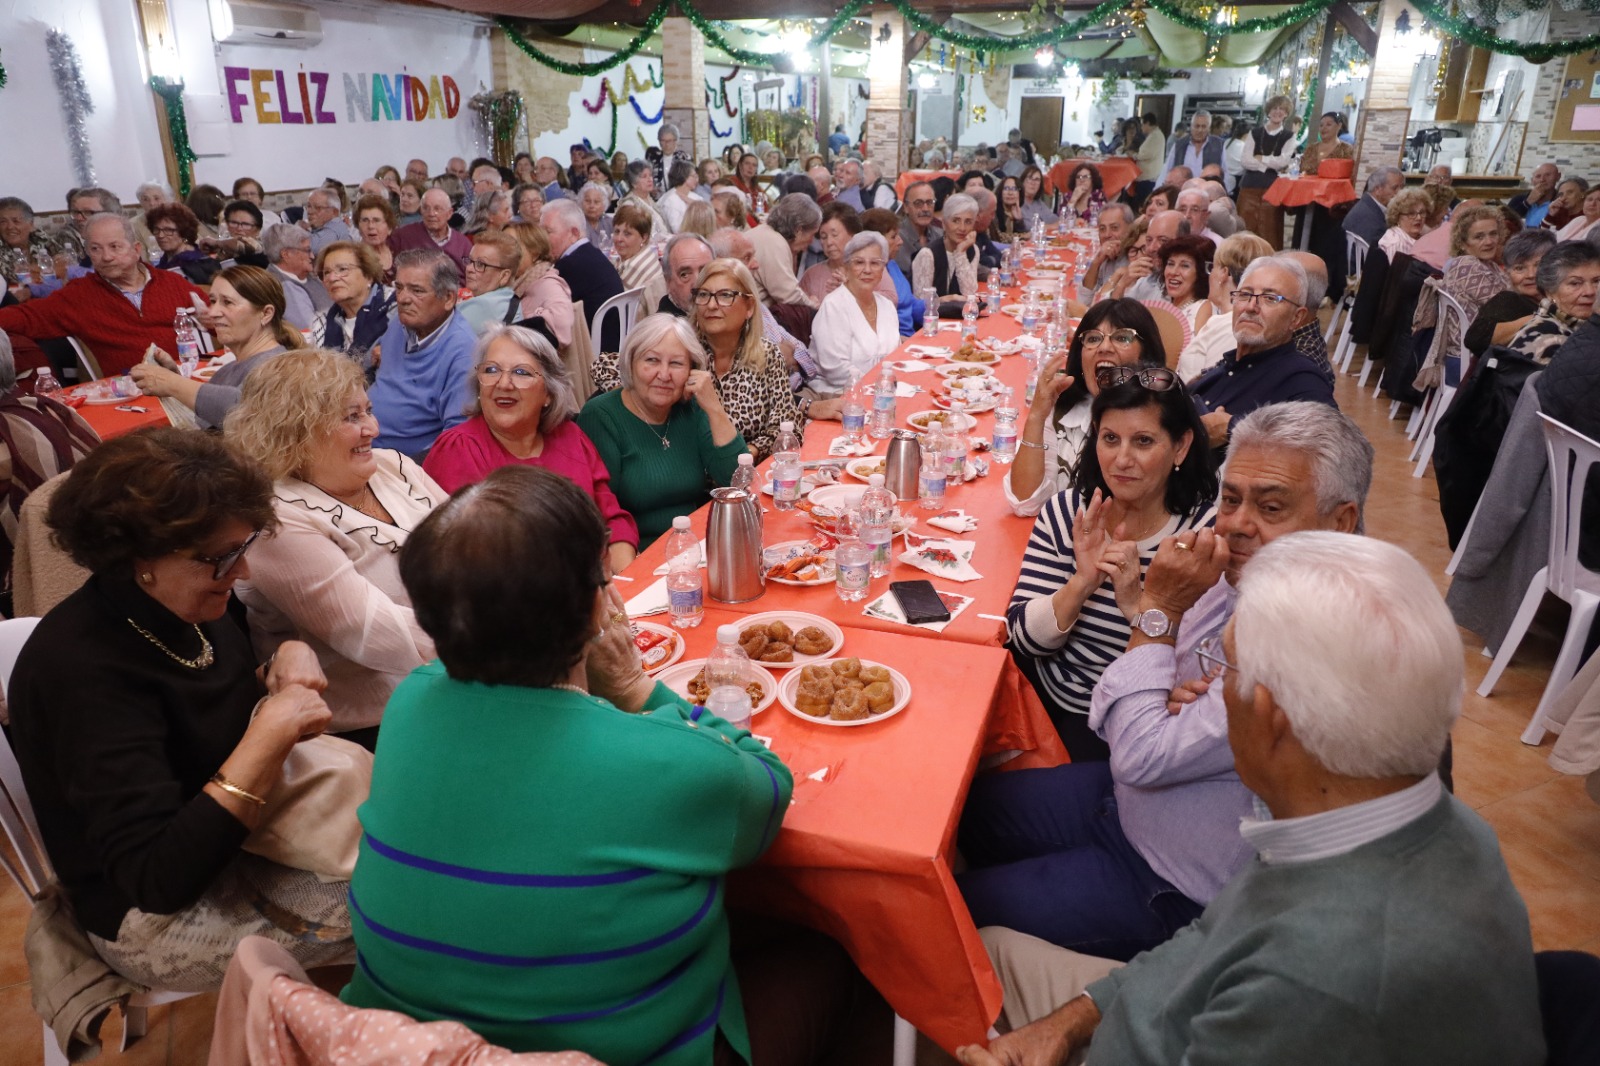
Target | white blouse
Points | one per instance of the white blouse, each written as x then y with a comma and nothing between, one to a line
842,341
1063,444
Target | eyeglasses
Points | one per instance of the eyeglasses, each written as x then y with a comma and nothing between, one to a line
919,203
1212,662
222,565
479,264
1414,214
165,231
1154,378
1262,299
522,377
1122,338
867,264
724,297
338,271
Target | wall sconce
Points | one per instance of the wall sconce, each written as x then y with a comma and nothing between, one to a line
1402,23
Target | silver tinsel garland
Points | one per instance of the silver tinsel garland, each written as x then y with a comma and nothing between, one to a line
75,102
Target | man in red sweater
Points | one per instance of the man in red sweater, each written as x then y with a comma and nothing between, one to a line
119,310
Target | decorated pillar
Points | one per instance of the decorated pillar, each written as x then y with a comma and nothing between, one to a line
1381,134
683,65
888,121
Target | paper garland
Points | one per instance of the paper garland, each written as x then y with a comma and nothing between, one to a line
75,102
171,93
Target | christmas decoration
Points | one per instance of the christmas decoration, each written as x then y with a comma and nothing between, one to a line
498,116
75,102
171,93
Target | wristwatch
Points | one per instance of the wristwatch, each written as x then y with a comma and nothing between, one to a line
1153,623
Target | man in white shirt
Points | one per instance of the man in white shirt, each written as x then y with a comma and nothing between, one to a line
1198,150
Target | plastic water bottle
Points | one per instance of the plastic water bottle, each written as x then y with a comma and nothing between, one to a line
188,334
969,318
930,312
727,674
45,384
786,468
930,487
1004,446
1008,267
955,445
685,584
992,294
853,415
877,523
1030,356
744,475
883,403
1077,284
1294,169
1064,223
852,559
1030,312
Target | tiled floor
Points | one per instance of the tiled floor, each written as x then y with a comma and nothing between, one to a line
1549,828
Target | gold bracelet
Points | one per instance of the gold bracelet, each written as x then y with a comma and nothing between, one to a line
233,789
1030,444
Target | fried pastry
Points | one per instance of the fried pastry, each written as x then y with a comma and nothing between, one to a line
816,672
779,633
850,705
850,667
874,673
812,641
754,641
880,696
777,653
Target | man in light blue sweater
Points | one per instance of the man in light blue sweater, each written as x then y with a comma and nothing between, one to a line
1377,923
425,368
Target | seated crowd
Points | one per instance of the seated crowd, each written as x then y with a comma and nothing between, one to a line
429,457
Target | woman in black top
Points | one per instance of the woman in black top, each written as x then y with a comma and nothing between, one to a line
131,717
1268,150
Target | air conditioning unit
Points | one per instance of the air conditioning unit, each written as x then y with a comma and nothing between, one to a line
265,22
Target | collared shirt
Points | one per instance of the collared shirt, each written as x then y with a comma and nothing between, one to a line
1308,341
1276,375
136,297
1194,155
413,342
1339,831
573,247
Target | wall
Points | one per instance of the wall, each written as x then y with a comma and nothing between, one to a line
36,163
1581,158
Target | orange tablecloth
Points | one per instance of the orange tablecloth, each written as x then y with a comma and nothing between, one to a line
1310,189
1116,173
908,178
110,422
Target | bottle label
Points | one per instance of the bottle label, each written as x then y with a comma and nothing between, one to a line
854,418
883,400
854,575
1005,437
879,540
932,483
686,601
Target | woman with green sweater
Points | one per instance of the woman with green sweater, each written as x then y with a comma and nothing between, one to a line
537,864
664,435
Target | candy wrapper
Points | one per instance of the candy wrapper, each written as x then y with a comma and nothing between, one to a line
654,648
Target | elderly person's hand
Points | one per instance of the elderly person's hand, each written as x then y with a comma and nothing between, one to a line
703,388
1184,569
1217,423
615,671
294,663
287,717
154,379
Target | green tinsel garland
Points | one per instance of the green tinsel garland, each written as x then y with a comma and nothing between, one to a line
651,23
1028,42
1287,17
1448,25
171,93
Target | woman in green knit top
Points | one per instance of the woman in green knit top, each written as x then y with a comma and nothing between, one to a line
537,864
664,435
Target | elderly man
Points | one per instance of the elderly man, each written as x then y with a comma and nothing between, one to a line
988,250
822,178
324,221
1367,218
83,204
920,229
1195,207
547,175
585,268
1535,203
424,373
1568,204
486,179
1143,280
288,252
1265,367
1308,339
1114,858
434,231
119,310
1198,150
1377,921
847,177
417,170
685,255
1115,221
458,168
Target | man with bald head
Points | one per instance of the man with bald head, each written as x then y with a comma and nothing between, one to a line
417,170
434,231
1264,368
1143,280
1308,337
823,180
1195,207
1534,204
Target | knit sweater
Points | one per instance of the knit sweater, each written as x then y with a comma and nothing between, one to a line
101,315
1413,948
419,394
549,871
654,483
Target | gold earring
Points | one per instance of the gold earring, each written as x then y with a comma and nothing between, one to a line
146,577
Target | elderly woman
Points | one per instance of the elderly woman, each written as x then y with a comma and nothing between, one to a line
779,242
250,189
840,222
1144,474
637,260
950,266
1112,333
1407,216
1472,275
1568,279
362,301
1214,338
176,229
375,221
520,715
1586,224
908,306
149,761
410,202
1507,312
523,414
1185,267
246,317
698,218
492,270
641,189
594,198
330,574
856,325
491,212
729,209
529,201
1084,195
664,435
544,293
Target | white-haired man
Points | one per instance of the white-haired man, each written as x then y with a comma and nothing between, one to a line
1114,858
847,179
433,231
324,220
1377,921
585,268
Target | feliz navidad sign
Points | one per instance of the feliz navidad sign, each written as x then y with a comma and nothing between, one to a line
296,98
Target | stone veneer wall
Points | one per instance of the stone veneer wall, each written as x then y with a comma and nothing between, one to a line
1575,158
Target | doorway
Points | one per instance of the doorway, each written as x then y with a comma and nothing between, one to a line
1158,104
1040,122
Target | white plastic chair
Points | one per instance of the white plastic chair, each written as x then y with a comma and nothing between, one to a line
625,304
1438,399
33,872
1571,456
1355,253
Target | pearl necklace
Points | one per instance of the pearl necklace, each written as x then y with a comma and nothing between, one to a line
199,662
572,688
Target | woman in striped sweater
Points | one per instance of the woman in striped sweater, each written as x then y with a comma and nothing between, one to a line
638,264
1141,479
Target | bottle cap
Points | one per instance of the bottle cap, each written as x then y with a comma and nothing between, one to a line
875,481
746,459
786,426
681,522
728,634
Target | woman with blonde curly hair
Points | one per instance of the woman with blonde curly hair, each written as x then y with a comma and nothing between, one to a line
330,575
1472,275
1407,216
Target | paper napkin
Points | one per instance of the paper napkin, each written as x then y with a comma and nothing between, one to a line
956,521
950,559
840,446
888,608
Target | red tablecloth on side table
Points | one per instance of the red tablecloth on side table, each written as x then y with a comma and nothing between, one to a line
110,422
1310,189
908,178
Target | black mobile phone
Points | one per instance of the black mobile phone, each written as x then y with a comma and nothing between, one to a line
919,602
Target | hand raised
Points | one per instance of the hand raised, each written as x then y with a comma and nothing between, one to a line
1184,568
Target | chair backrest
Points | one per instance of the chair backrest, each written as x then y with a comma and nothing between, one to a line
32,872
1571,456
42,575
88,365
1355,255
625,304
1450,307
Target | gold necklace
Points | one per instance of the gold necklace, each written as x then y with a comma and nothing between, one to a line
199,662
662,436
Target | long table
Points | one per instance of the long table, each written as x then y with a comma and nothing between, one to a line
866,857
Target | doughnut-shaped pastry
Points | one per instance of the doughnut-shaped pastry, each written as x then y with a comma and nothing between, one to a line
873,674
814,697
850,705
812,641
777,653
777,631
817,672
880,696
754,641
847,667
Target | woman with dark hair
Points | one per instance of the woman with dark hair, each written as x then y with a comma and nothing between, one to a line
1009,223
1510,310
176,230
746,172
375,221
1112,333
1035,201
522,166
975,178
1185,271
250,189
207,202
1084,194
1144,474
1162,198
246,317
149,761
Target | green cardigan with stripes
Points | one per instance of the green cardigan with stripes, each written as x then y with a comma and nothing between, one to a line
549,871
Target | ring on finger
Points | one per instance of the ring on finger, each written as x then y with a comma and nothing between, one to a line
1180,545
619,618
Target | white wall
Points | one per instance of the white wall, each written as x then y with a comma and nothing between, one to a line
36,162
